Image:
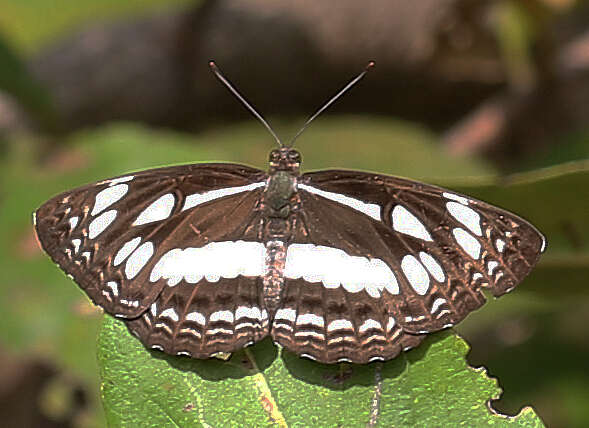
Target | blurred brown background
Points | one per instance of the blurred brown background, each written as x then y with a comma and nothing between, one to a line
464,93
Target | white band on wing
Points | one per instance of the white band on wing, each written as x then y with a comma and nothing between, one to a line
314,263
334,267
371,210
200,198
216,260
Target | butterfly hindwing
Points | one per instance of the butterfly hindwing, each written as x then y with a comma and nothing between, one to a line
109,235
202,319
333,325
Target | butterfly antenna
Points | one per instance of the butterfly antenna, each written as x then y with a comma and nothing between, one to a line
226,82
331,101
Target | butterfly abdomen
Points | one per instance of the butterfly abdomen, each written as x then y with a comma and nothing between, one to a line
273,281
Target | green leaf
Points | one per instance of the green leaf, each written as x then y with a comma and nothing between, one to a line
266,386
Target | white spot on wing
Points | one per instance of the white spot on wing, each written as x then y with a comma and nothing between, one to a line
73,222
368,325
252,312
196,317
334,268
125,250
432,266
105,198
371,210
467,216
340,324
221,316
201,198
416,274
77,243
169,313
390,323
454,197
138,259
310,319
114,287
158,210
491,266
468,242
543,247
286,314
121,180
100,223
405,222
500,244
215,260
437,303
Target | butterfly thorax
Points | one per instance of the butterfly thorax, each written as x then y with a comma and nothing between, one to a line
278,193
282,182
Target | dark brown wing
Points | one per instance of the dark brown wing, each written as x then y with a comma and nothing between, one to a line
109,235
441,246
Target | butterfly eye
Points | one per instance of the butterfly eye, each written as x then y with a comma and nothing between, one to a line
274,156
294,156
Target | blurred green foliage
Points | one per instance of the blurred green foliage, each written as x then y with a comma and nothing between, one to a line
33,24
535,338
16,81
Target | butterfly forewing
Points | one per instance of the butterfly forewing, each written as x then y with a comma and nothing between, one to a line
109,235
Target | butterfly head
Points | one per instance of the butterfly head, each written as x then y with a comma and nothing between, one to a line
285,159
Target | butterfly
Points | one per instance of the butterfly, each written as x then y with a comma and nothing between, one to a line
334,265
